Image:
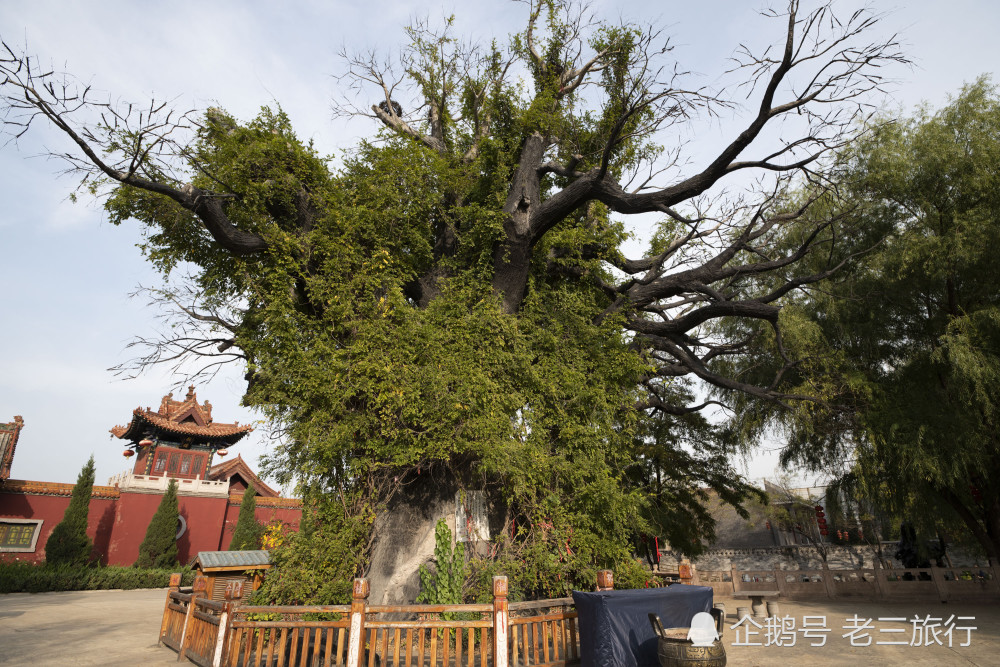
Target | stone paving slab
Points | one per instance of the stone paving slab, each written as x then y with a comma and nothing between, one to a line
120,627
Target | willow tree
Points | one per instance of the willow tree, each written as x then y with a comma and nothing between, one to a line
452,309
909,336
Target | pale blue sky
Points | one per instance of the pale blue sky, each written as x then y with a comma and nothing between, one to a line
65,273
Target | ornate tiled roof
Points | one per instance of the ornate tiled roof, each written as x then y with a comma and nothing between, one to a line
8,442
186,418
238,466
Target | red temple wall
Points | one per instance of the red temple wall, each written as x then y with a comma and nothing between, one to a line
289,516
51,509
118,525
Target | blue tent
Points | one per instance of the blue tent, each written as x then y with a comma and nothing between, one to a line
614,625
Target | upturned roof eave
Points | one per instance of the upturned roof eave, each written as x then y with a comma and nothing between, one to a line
140,423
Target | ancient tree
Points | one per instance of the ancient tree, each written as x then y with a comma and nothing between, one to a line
451,309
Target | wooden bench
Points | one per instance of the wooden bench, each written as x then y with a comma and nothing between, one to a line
757,600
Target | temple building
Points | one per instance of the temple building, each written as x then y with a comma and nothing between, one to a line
180,440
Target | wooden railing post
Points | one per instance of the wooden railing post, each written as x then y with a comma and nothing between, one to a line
200,586
501,622
175,585
605,580
356,640
234,593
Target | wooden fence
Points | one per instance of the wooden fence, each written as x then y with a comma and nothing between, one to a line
916,584
228,634
542,633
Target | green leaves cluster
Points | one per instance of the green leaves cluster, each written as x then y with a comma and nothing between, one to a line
444,585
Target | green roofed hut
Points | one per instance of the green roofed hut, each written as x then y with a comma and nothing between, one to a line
221,567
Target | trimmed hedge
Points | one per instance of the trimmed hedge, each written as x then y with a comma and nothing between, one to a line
29,578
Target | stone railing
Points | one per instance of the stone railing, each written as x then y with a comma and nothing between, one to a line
127,481
927,583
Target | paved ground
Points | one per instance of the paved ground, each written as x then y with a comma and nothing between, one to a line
120,627
83,628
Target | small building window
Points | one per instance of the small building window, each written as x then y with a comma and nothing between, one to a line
197,465
19,535
175,460
161,462
186,464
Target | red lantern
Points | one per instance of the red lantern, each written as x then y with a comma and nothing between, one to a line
128,453
819,508
821,521
222,452
768,524
145,442
824,532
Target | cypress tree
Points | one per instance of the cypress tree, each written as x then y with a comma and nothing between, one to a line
248,532
159,549
68,544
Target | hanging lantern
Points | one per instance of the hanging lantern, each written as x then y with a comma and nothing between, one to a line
146,442
128,453
824,532
222,452
767,524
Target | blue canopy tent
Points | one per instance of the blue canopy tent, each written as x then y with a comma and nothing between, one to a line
614,625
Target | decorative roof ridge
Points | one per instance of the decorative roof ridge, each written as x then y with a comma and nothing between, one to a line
226,465
156,419
229,468
13,430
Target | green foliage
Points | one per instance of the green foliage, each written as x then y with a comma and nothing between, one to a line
68,544
317,564
19,577
159,548
377,345
248,532
906,343
444,585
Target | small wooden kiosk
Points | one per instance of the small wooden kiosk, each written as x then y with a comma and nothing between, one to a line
221,567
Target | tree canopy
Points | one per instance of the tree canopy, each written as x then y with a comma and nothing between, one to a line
910,332
454,301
